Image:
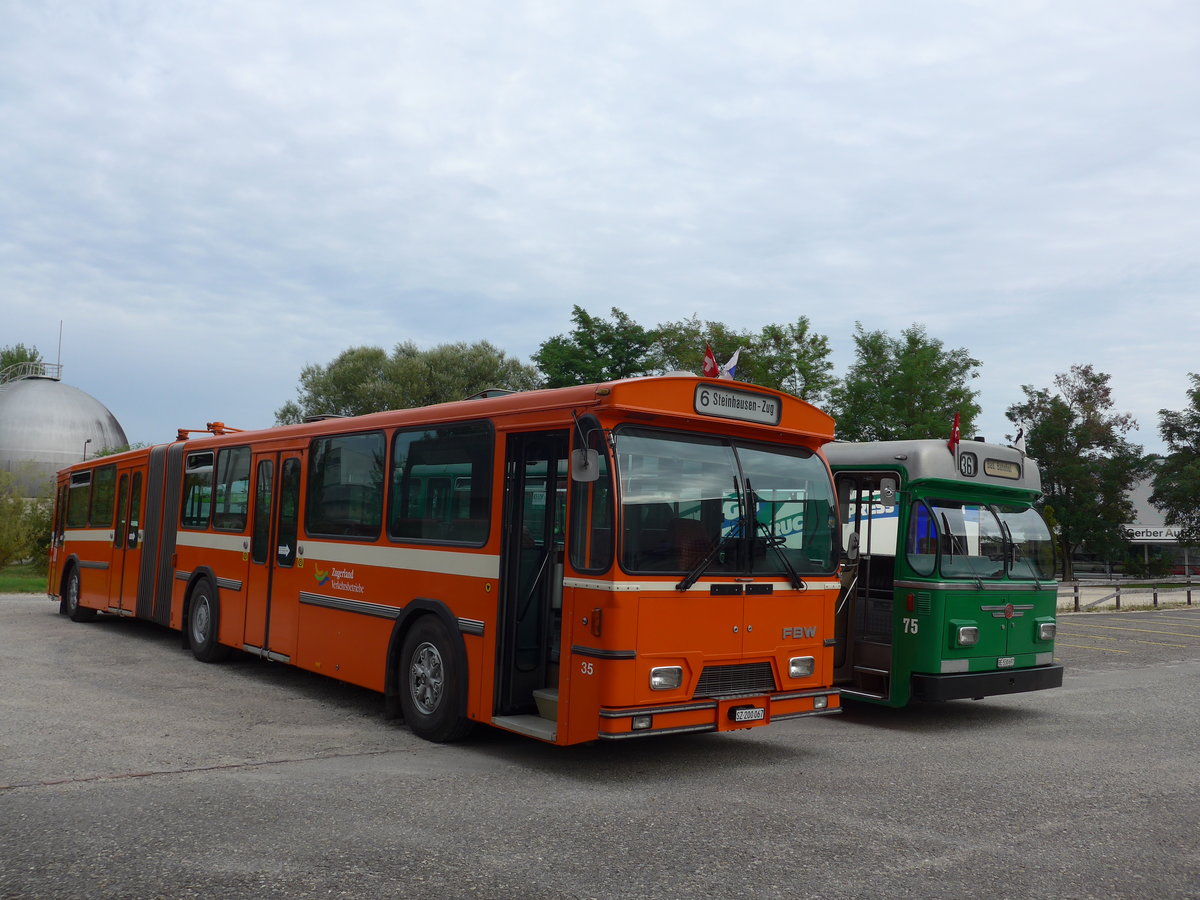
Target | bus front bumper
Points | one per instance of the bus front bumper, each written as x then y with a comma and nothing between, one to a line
724,714
974,685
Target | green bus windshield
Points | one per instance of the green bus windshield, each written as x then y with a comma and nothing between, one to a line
963,540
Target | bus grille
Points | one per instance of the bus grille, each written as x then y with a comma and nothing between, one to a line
746,678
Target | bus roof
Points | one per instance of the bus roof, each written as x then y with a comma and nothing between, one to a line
977,462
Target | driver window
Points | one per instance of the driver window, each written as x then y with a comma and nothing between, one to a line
921,545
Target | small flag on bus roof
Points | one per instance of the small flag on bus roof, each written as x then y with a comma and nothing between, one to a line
711,369
954,437
730,367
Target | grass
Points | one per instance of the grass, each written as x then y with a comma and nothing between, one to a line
22,580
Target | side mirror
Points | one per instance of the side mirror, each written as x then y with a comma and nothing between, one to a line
585,466
852,547
887,492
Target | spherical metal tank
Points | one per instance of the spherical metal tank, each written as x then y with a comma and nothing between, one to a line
45,425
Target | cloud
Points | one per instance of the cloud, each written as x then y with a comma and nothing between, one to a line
227,192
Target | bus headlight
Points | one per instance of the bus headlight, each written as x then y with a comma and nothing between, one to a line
1047,631
968,635
801,666
666,678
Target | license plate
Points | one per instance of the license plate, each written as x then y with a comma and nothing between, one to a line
1006,662
747,713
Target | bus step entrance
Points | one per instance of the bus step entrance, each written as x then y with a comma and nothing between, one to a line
547,702
871,682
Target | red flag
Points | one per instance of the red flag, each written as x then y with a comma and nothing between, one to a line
711,369
954,436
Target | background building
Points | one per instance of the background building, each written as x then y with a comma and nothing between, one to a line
46,425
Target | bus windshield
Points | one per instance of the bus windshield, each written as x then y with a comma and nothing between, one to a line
740,509
972,540
1032,545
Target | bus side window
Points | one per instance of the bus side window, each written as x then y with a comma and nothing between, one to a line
289,506
104,494
197,490
233,489
921,546
79,499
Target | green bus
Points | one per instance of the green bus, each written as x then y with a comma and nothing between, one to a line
948,588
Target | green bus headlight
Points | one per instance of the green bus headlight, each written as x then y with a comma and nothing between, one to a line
968,635
1047,631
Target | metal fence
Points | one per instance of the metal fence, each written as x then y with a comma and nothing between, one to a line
1084,595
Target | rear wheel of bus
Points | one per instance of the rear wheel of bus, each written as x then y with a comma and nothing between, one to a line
431,684
204,612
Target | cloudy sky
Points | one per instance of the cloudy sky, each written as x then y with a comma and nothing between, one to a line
210,195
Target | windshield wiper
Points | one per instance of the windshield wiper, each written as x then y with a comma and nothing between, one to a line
774,541
736,531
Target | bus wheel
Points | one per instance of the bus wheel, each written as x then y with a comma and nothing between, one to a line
73,610
431,685
203,619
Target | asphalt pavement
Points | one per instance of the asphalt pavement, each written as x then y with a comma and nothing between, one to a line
129,770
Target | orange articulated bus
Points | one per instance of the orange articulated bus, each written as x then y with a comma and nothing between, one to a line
647,556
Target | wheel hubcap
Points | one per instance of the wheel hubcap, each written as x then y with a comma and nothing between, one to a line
426,678
201,620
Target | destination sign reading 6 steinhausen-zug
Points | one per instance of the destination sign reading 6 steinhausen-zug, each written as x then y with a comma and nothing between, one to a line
729,403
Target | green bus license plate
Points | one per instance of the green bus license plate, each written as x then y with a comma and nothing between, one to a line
748,713
1006,662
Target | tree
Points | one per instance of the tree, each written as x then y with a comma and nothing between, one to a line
596,350
1087,466
363,380
785,357
790,358
902,388
455,371
1177,480
14,523
18,353
679,346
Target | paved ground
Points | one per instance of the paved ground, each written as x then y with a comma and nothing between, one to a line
127,769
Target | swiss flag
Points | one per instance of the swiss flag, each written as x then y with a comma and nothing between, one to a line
711,369
954,437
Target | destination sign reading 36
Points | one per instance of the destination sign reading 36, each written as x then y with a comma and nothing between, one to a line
730,403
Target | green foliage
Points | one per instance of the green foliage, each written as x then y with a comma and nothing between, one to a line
1155,564
790,358
1177,479
787,357
679,346
1087,466
366,379
596,350
904,388
39,521
13,535
113,451
18,353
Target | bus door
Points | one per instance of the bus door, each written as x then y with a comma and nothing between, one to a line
531,567
127,544
270,627
863,618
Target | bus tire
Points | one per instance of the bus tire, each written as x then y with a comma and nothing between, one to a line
431,683
203,625
75,612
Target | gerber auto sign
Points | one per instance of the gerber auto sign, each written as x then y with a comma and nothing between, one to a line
1151,534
